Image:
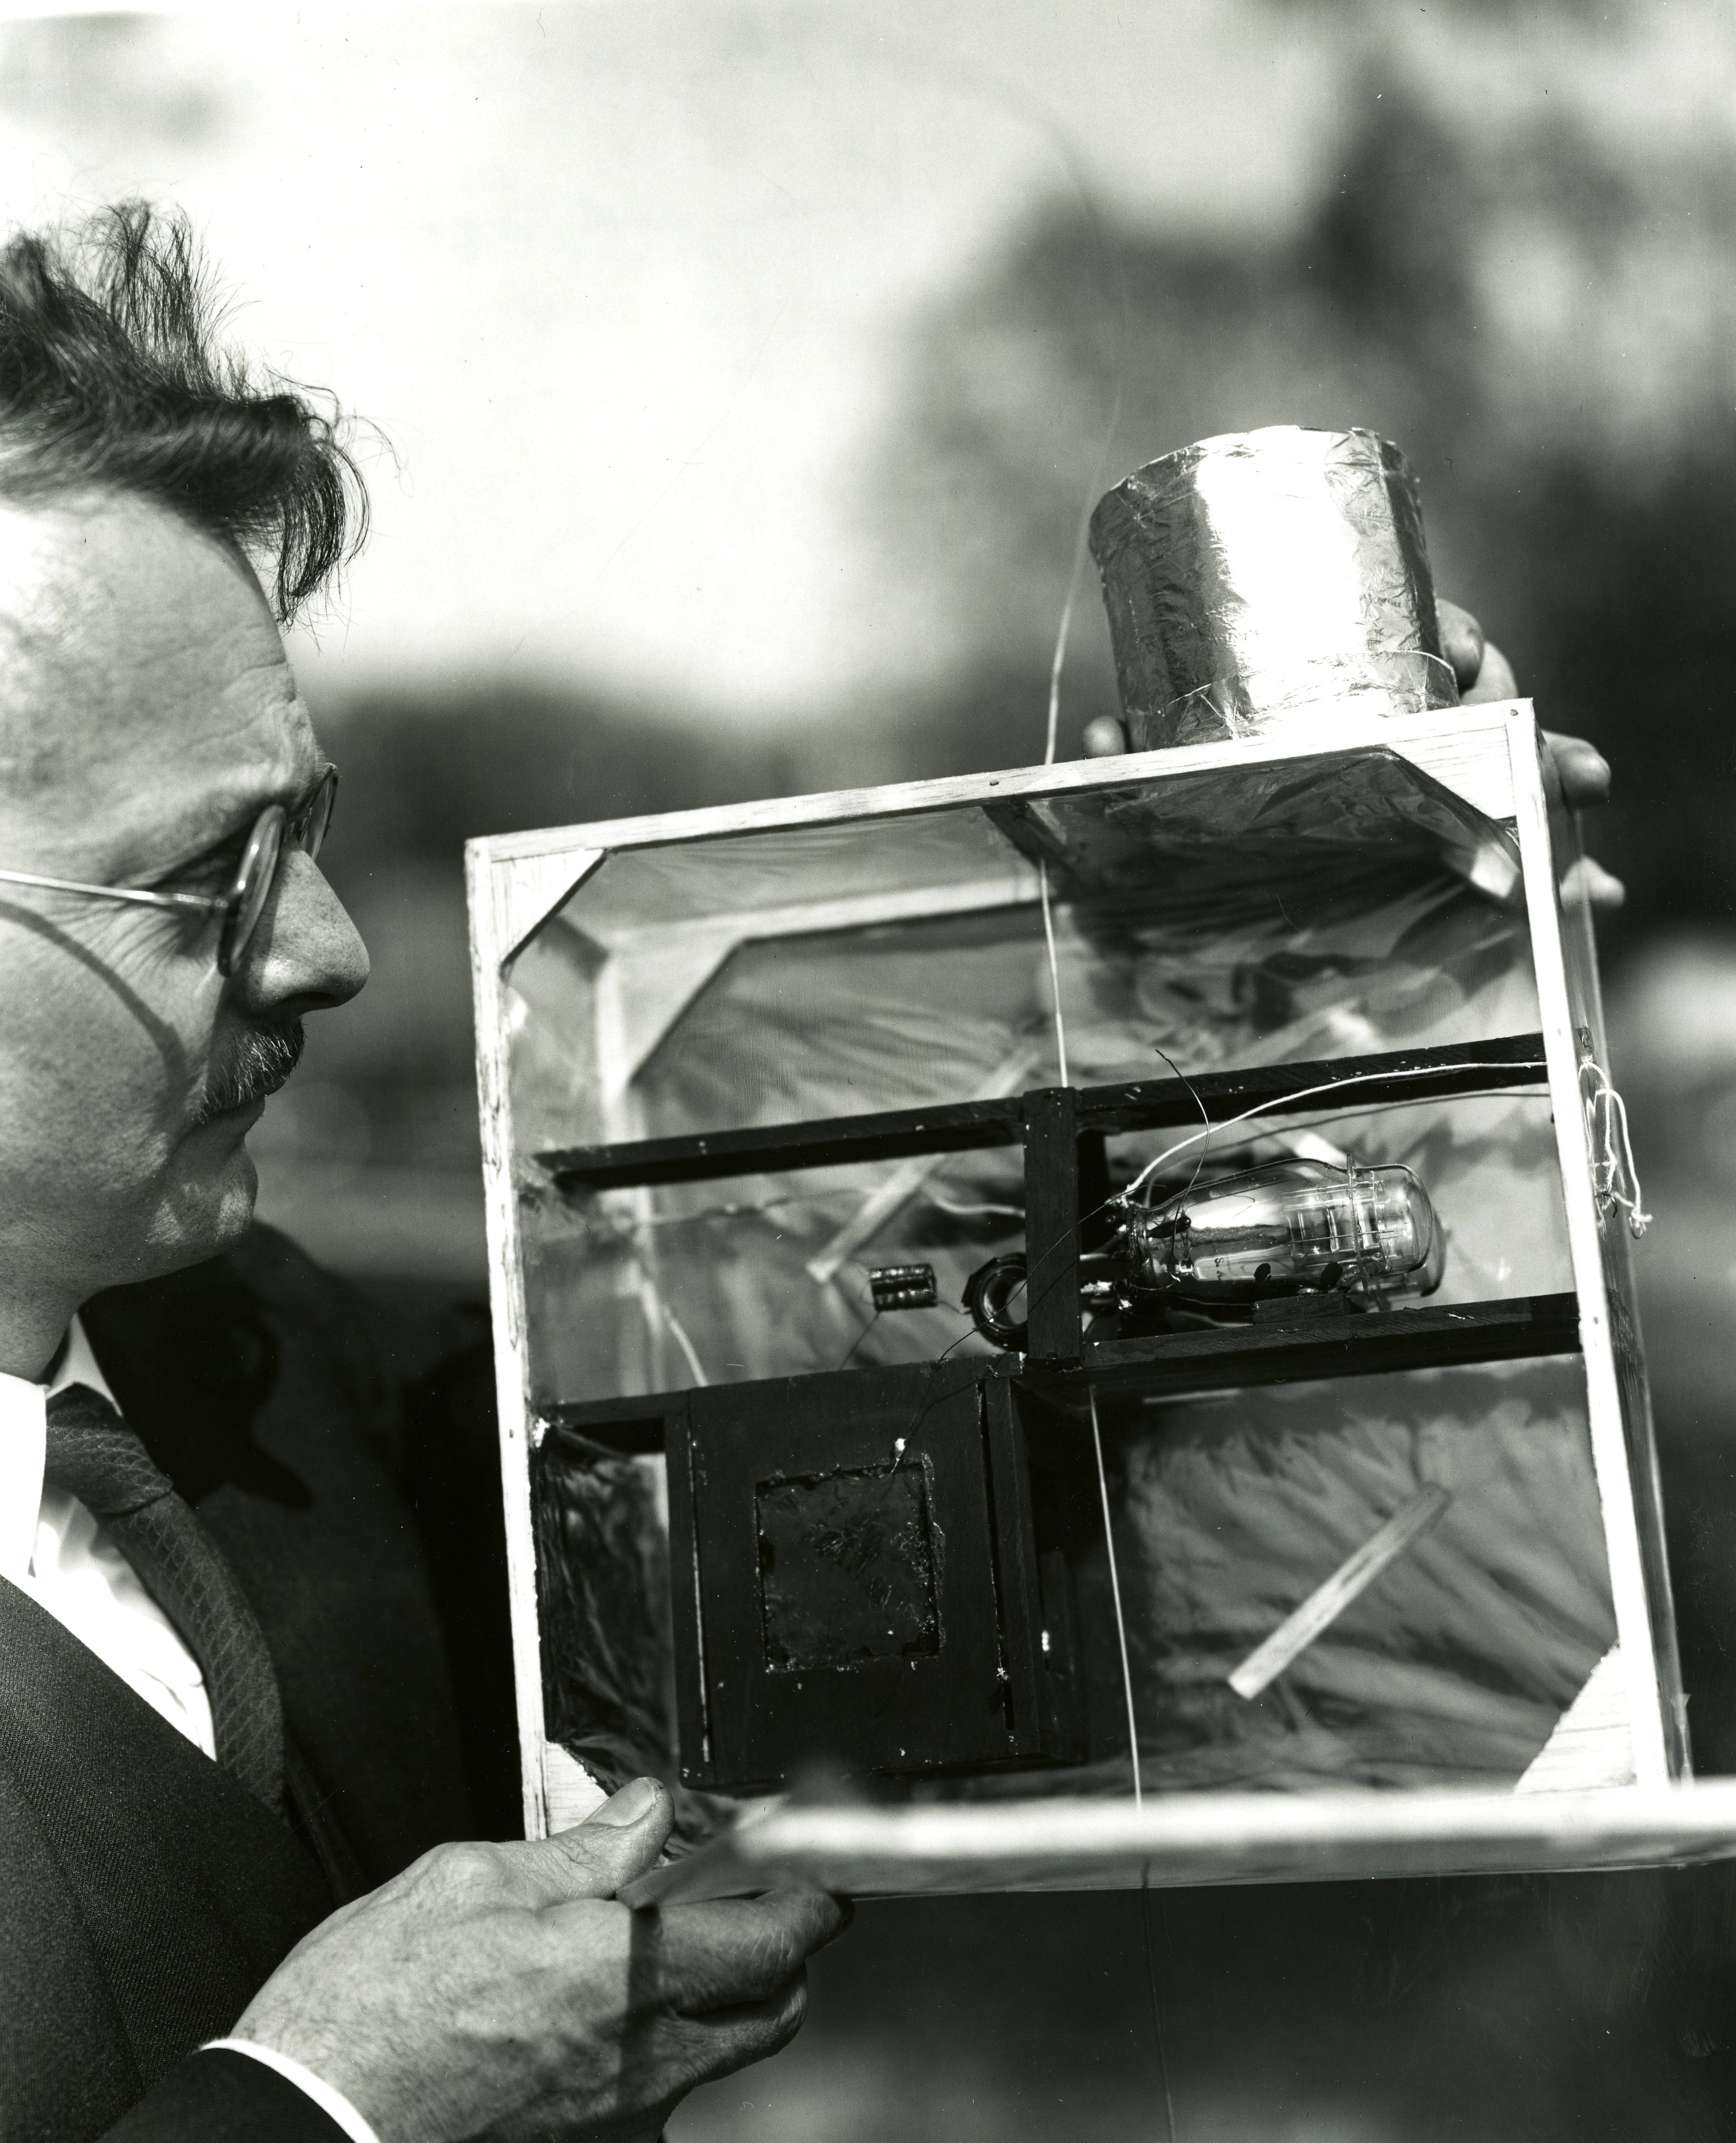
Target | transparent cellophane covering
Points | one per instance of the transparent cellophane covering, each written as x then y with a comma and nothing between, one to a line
1326,908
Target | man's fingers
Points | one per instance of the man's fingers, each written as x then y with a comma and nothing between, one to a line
1586,879
1462,642
742,1950
1106,738
1483,672
612,1845
718,2044
1494,680
665,2057
1584,771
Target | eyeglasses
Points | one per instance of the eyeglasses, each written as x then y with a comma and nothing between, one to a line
241,907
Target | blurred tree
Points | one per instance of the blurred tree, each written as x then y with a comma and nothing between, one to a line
424,772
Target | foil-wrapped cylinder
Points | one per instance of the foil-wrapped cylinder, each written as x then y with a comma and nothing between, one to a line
1266,581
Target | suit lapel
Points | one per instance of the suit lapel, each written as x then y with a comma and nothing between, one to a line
188,1891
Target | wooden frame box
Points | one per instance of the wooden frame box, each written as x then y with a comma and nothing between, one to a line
726,1056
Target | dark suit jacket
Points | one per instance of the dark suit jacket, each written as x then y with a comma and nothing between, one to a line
146,1894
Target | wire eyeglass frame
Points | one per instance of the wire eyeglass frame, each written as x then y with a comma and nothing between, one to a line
276,828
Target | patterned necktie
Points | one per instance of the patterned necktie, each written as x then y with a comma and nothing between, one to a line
93,1455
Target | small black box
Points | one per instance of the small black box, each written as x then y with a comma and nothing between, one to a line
858,1579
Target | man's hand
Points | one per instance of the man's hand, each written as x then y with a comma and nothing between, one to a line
1484,675
497,1991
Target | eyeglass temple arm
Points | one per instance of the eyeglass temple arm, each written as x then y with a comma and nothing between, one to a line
198,903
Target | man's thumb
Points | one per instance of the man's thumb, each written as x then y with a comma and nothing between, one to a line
614,1844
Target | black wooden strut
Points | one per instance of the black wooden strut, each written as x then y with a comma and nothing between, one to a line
1420,1074
1174,1364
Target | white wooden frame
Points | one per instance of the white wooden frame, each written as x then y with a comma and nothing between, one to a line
1490,756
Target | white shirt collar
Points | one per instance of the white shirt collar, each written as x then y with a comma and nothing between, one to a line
77,1365
23,1445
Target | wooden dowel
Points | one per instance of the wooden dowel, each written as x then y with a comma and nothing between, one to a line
1325,1604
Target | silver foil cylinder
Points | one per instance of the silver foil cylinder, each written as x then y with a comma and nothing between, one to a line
1269,580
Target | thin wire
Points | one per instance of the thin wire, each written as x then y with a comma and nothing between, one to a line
923,1405
742,1210
1057,665
1061,1023
1082,534
1205,1116
1283,1101
1157,2013
868,1323
1057,662
1115,1589
1139,1791
1617,1158
1360,1109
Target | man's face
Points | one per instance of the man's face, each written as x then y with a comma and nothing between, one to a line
147,714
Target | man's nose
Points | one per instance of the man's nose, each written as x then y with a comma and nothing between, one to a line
306,954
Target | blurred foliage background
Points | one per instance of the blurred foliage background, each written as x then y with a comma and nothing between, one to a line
962,273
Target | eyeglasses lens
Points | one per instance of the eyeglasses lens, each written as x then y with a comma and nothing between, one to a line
252,887
258,873
309,828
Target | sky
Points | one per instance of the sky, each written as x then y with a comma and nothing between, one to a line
624,287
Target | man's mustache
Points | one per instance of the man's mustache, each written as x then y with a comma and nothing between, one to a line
257,1066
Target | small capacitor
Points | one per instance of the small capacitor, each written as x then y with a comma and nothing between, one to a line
903,1287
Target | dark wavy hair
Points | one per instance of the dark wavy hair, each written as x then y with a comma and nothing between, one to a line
112,379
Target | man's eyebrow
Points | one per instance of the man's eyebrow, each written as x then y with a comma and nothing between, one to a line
221,815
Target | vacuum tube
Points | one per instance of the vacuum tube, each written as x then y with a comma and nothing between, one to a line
1214,1252
1287,1228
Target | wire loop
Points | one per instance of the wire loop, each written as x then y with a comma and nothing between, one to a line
1612,1152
